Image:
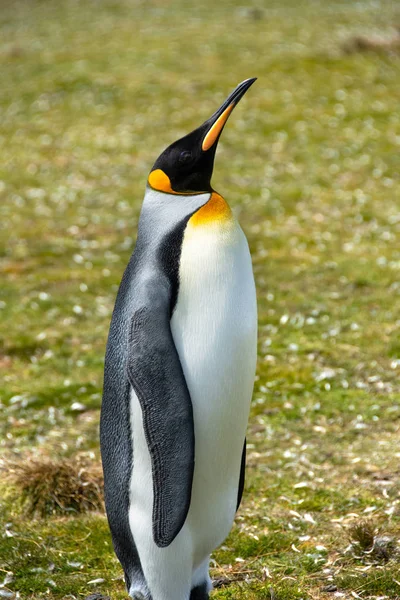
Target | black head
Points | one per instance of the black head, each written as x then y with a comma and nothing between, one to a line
186,166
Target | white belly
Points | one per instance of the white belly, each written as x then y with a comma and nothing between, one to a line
214,327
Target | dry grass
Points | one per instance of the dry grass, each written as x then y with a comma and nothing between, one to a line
362,535
366,540
50,486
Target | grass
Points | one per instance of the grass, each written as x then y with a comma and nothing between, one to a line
46,487
91,93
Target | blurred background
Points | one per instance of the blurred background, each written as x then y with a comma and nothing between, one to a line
91,92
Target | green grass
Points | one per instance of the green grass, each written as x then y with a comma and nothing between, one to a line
91,92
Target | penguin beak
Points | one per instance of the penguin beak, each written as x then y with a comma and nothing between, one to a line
216,122
186,166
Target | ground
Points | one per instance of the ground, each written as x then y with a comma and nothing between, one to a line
91,92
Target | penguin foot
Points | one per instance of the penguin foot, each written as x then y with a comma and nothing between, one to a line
199,592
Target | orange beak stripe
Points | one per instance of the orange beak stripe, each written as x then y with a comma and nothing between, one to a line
216,129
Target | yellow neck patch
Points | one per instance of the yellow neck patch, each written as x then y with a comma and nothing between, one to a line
215,210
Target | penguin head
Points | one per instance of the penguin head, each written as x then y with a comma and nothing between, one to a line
186,166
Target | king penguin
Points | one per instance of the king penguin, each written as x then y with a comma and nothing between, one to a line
179,374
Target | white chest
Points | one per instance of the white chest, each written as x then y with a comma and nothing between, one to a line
214,326
215,317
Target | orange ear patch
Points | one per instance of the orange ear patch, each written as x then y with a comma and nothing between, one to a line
216,209
160,181
216,129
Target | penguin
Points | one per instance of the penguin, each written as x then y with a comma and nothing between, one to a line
179,374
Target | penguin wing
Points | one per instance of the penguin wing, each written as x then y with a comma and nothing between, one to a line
241,476
156,375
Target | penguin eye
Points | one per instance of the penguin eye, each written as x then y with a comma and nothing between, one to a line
185,157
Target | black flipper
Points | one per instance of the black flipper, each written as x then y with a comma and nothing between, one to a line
151,275
116,445
241,476
156,375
